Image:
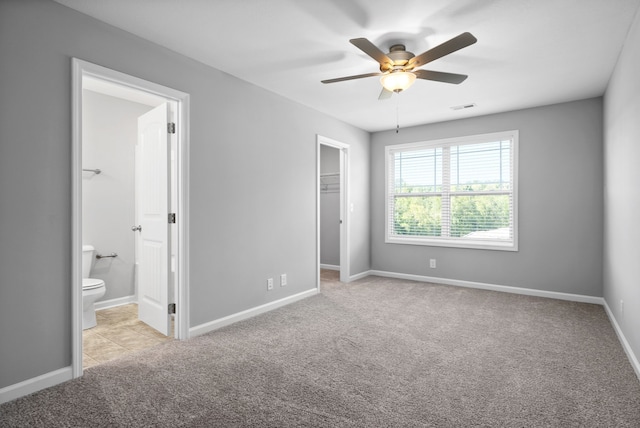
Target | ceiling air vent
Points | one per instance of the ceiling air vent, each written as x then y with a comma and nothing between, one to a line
464,106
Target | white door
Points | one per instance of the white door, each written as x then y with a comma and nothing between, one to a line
152,202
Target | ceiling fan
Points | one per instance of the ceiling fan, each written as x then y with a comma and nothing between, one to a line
398,68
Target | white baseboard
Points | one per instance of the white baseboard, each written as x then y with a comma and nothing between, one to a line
35,384
623,340
492,287
112,303
360,275
351,277
249,313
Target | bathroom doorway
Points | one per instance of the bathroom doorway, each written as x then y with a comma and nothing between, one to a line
333,208
140,254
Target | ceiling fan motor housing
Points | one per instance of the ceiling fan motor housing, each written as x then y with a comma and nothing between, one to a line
400,57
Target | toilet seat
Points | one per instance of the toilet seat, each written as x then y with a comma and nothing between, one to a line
91,283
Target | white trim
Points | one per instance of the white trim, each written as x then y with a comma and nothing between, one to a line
249,313
360,275
493,287
345,206
329,267
182,214
82,69
35,384
112,303
623,340
76,217
475,244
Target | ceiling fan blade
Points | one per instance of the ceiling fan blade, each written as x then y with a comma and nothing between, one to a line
439,76
385,94
357,76
457,43
372,50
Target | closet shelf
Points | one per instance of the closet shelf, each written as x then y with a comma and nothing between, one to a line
330,182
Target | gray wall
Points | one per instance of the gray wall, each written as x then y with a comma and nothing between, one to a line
621,195
110,129
330,209
252,176
560,203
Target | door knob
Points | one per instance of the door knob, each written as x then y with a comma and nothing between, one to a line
134,228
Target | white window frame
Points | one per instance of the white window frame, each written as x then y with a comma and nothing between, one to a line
475,243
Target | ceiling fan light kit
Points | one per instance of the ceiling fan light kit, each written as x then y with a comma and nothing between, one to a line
398,68
398,81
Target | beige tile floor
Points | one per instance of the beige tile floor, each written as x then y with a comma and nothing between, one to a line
118,333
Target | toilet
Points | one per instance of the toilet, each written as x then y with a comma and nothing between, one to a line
92,289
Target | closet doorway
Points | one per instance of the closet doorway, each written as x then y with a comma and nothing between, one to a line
333,207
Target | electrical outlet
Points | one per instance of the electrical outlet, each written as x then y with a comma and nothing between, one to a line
270,284
283,280
432,263
621,307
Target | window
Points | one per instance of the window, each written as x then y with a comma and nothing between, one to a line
458,192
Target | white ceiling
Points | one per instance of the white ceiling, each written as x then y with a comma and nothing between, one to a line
529,52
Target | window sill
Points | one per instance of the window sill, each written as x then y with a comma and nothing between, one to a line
455,243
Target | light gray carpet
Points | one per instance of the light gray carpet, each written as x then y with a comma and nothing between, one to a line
373,353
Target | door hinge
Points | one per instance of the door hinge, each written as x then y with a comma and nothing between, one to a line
172,308
171,127
172,217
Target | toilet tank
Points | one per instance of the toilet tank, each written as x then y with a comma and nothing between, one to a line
87,258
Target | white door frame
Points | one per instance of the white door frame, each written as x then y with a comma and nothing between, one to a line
82,69
344,205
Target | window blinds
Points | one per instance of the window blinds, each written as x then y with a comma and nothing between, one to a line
457,192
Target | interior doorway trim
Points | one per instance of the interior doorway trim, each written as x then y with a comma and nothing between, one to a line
345,207
82,69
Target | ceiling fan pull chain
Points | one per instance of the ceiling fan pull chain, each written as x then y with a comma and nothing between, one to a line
398,115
